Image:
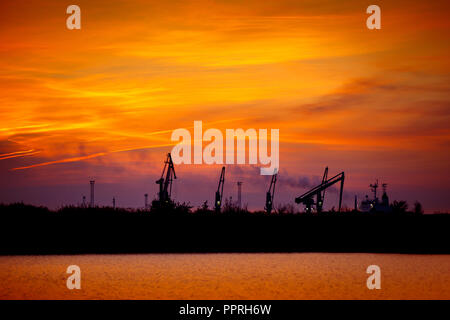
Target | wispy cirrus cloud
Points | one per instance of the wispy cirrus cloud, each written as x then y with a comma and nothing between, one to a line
16,154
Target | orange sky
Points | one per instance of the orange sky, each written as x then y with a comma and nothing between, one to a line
102,101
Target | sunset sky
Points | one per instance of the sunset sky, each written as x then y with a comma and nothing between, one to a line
101,102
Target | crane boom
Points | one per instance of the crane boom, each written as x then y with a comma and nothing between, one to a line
270,194
219,192
165,182
318,191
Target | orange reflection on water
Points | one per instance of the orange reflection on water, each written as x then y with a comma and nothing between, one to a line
226,276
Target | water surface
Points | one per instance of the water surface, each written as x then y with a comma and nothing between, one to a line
226,276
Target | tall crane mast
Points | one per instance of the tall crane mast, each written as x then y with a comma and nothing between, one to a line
270,194
165,182
308,197
321,195
219,192
374,188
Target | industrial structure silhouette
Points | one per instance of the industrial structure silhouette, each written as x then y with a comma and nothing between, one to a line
313,200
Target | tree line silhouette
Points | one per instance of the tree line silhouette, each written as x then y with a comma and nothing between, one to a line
185,208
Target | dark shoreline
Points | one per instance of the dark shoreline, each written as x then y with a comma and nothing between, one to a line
102,232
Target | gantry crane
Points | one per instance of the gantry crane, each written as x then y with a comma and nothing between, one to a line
219,192
165,182
270,193
321,195
319,192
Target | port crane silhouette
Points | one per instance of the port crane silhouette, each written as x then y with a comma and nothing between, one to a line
270,193
321,195
219,192
319,192
373,188
165,182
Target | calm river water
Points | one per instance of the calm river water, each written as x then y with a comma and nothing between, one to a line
226,276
